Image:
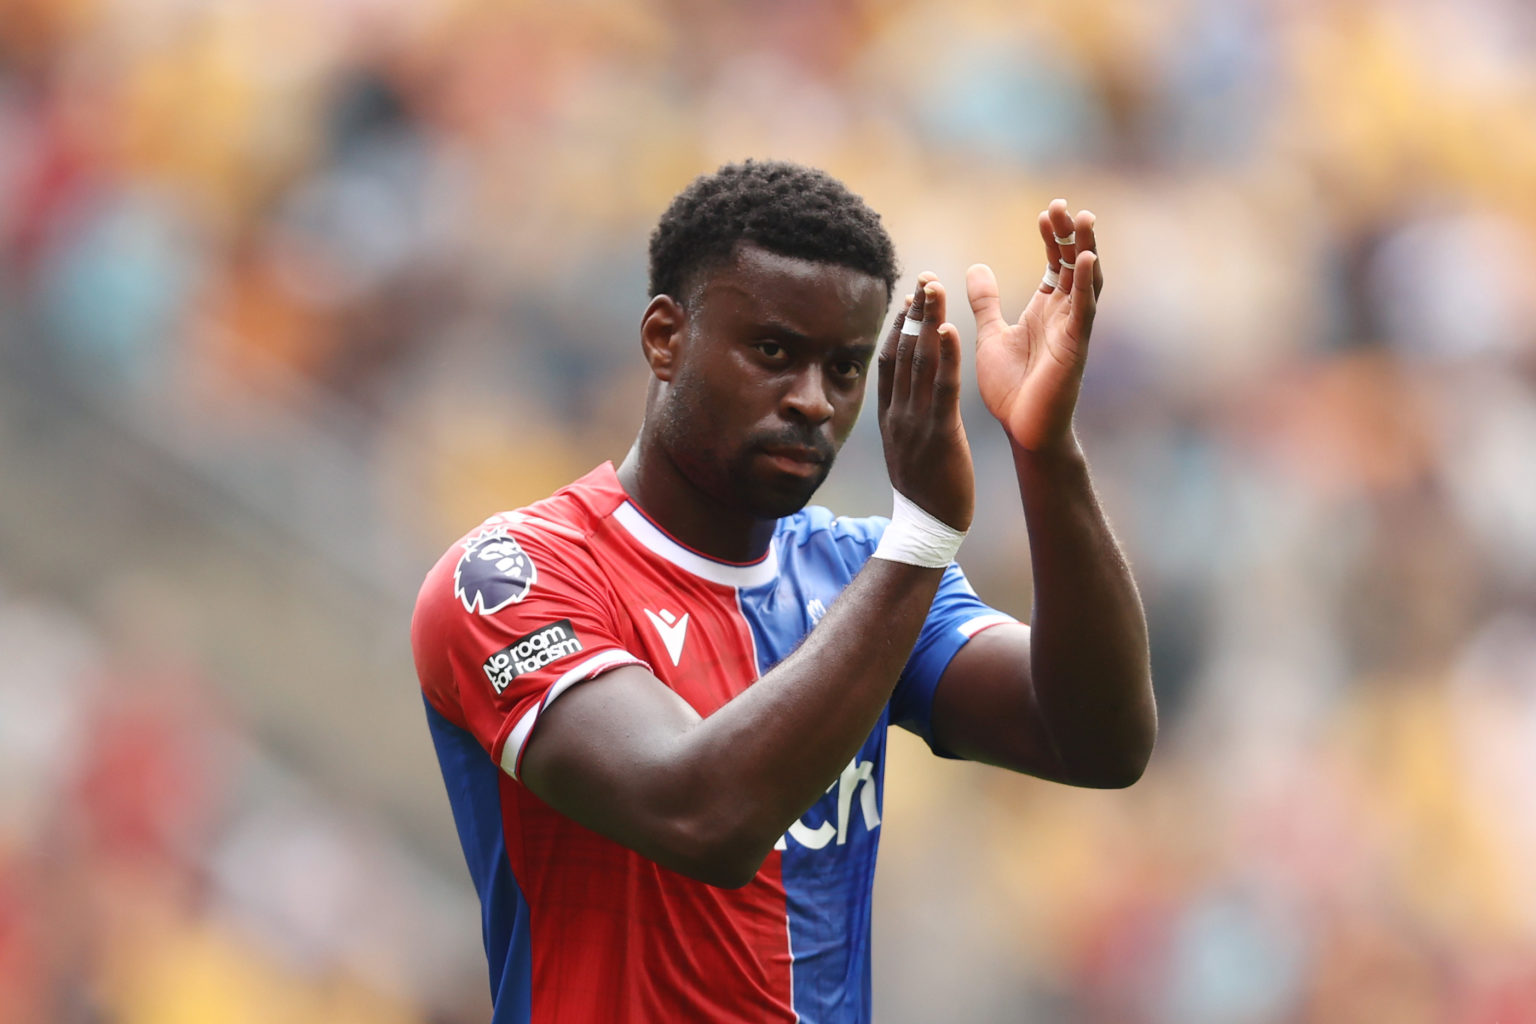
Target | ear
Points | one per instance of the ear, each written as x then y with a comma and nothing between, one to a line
661,335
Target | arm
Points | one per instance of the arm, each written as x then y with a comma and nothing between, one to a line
1071,698
709,797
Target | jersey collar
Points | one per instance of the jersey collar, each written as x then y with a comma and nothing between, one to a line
730,574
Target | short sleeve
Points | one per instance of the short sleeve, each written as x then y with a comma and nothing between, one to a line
510,618
957,615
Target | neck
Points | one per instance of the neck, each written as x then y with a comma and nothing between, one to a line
665,494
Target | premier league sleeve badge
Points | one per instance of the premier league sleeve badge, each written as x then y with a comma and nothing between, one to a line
493,572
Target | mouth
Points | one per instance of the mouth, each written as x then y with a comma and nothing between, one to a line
796,460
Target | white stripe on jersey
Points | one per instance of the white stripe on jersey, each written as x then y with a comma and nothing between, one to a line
970,627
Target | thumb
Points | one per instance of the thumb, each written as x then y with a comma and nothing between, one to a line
986,307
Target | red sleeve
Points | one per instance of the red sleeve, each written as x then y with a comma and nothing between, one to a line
512,616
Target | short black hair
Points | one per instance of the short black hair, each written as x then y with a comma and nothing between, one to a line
785,208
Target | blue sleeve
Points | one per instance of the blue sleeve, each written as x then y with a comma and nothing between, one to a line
956,616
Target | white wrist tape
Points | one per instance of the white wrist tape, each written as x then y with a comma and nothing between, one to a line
917,538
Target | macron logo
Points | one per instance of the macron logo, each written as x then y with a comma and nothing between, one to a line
671,629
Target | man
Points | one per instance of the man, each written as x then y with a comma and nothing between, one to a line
659,697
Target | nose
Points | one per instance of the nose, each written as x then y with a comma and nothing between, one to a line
807,396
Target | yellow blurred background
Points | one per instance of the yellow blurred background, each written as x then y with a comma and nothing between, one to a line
293,292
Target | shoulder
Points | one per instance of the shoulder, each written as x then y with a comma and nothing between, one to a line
500,561
511,578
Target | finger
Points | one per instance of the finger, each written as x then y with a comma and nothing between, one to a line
1052,254
886,371
946,378
1063,234
906,343
1084,300
925,353
986,305
1087,241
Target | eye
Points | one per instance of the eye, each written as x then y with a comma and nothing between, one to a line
771,350
848,369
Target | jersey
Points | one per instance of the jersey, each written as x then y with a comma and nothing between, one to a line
579,928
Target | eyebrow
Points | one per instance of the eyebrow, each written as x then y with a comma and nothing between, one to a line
778,330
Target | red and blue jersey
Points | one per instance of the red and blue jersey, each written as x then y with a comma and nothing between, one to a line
578,928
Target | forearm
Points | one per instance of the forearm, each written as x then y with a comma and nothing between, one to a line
769,754
1088,646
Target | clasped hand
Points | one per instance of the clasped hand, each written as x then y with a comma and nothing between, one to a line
1029,372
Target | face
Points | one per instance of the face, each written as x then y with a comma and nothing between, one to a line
767,373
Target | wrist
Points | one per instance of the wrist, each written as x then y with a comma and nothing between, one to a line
915,537
1052,475
1062,451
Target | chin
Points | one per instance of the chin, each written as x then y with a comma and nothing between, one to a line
776,499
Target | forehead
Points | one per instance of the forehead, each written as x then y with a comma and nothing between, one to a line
819,300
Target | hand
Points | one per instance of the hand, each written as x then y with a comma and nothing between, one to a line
1030,372
926,451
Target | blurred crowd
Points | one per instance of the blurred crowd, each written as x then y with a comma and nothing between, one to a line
1310,408
159,866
